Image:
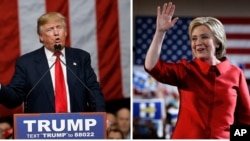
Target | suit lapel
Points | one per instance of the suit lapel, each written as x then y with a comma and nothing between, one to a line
72,67
43,67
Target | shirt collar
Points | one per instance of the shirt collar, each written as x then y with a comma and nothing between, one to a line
50,54
224,65
221,67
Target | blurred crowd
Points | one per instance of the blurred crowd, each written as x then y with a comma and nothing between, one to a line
145,87
119,124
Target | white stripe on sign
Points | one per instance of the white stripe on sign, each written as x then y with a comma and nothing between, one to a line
142,113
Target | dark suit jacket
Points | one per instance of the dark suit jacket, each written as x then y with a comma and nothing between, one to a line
31,67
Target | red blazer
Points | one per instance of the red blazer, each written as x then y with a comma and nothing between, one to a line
209,103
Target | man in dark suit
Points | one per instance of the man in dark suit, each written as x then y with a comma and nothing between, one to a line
34,82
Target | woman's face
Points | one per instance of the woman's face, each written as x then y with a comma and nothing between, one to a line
203,44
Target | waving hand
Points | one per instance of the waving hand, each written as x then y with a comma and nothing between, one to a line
164,17
163,23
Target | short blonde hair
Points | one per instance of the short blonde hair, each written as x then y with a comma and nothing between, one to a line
216,28
50,16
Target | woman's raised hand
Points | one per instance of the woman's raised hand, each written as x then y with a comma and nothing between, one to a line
164,17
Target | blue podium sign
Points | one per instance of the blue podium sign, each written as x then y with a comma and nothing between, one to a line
60,126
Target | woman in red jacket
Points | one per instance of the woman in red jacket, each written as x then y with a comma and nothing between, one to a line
213,93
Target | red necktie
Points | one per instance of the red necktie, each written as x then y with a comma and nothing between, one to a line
60,88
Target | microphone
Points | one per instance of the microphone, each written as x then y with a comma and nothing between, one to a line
45,73
91,100
57,47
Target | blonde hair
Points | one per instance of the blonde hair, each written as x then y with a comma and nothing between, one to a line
50,16
216,28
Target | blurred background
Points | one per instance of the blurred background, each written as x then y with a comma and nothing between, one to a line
101,27
155,105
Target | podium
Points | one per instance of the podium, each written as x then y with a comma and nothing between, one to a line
90,125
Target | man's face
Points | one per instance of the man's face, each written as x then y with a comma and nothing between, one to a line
3,127
123,120
51,33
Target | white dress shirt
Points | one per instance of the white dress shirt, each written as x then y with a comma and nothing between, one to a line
51,60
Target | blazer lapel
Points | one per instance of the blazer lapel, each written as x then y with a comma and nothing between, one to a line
72,66
44,71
